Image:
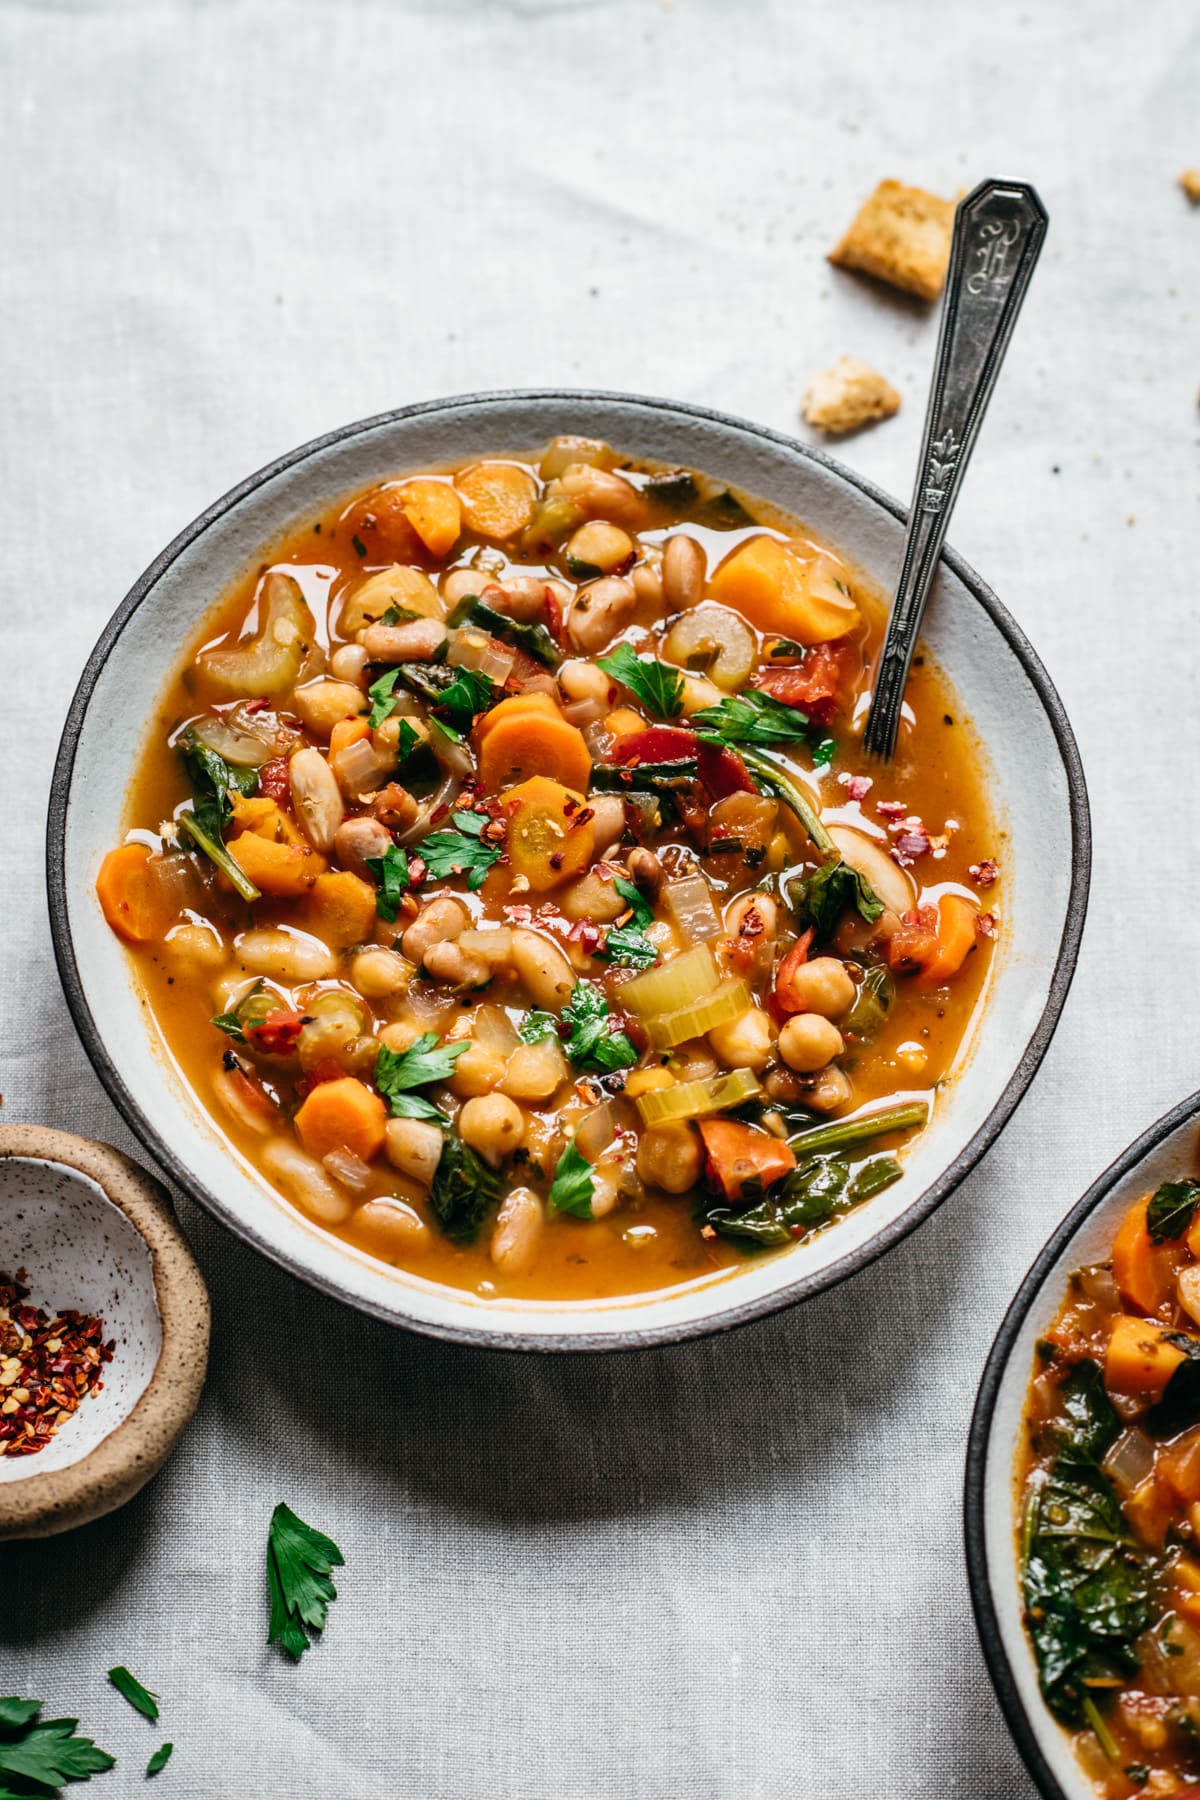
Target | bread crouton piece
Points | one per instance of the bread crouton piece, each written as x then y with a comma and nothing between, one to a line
901,236
847,396
1189,181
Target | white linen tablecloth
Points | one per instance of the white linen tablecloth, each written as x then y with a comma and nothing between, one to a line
733,1569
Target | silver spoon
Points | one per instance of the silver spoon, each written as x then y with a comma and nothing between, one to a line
998,232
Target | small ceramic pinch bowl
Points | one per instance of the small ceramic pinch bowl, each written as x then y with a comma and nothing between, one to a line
96,1235
1164,1153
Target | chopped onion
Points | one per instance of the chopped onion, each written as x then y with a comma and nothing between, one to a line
826,581
178,882
244,748
1130,1461
690,903
581,713
1096,1281
672,985
428,1003
467,647
697,1099
360,768
491,1025
349,1169
453,756
596,1133
599,740
721,1007
542,682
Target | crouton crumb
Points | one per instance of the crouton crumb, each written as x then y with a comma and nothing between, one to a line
1189,181
902,236
847,396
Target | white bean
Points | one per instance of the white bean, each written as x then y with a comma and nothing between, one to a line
543,967
438,921
316,797
608,821
599,611
414,641
305,1181
684,567
518,1231
415,1148
285,954
392,1227
323,703
378,973
196,948
348,662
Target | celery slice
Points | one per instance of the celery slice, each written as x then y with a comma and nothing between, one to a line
697,1099
725,1003
672,985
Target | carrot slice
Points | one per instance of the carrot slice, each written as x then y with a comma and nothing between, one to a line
1139,1361
131,896
767,582
529,739
498,498
538,703
380,529
341,908
433,511
550,835
956,938
342,1115
741,1157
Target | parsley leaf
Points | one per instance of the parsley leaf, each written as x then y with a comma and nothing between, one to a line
629,947
655,684
383,698
233,1023
1171,1210
140,1698
750,718
460,851
470,692
47,1752
593,1044
571,1190
299,1560
463,1189
160,1759
397,1072
391,872
538,1025
643,912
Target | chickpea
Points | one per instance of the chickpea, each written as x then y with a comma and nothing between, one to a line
415,1148
591,897
823,986
669,1157
599,611
393,1229
517,1232
348,662
606,1191
287,955
684,567
535,1071
446,960
477,1071
323,703
437,921
303,1178
378,973
600,548
746,1042
401,1035
198,949
579,679
808,1041
543,967
492,1124
316,797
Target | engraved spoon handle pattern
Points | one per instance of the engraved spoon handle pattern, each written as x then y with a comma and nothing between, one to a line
998,233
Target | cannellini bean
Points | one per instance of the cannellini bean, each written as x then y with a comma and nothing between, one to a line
830,1091
397,586
601,495
198,949
543,967
458,583
535,1071
414,641
599,611
493,947
591,897
670,1157
322,703
392,1228
523,597
746,1042
647,584
890,882
438,921
348,662
379,973
244,1101
304,1180
285,954
569,452
608,821
822,986
492,1124
646,872
316,797
808,1041
446,960
414,1146
358,839
684,567
606,1190
582,680
517,1233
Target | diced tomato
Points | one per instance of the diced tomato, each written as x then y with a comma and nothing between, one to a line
273,779
914,940
812,685
784,996
657,744
743,1161
276,1034
723,772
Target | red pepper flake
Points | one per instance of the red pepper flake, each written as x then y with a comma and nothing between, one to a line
857,786
587,935
519,915
983,873
891,809
47,1366
985,925
909,845
416,869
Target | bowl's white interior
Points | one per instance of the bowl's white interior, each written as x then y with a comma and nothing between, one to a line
81,1252
1030,796
1091,1242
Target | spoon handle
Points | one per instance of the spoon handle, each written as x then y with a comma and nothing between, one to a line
998,232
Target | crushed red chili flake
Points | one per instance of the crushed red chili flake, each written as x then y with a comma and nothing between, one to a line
910,844
48,1364
857,786
984,873
891,809
985,925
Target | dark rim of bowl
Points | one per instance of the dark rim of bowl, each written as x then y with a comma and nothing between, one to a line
729,1316
987,1620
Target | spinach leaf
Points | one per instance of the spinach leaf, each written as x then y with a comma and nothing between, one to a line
1180,1404
391,873
534,640
750,718
822,897
815,1191
627,946
672,488
1092,1426
1171,1210
464,1188
213,781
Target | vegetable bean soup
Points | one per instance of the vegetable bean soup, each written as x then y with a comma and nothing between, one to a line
505,879
1110,1548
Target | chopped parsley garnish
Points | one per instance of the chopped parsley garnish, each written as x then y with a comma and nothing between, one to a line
593,1045
823,752
391,872
628,944
383,699
571,1189
160,1759
471,692
360,549
299,1561
460,851
464,1188
46,1753
140,1698
538,1025
631,894
398,1072
750,718
249,1010
655,684
214,782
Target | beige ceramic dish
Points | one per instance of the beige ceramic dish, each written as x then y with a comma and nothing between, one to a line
94,1232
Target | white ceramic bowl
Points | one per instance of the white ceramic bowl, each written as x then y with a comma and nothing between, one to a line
1164,1153
1037,787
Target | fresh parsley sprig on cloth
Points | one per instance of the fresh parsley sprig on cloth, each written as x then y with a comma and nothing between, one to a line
299,1561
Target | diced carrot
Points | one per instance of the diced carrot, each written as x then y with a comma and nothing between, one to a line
342,1115
265,818
498,498
383,528
550,835
1140,1362
956,938
347,732
434,513
280,869
528,741
767,582
1150,1511
341,909
131,896
538,703
743,1160
1178,1467
1143,1270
